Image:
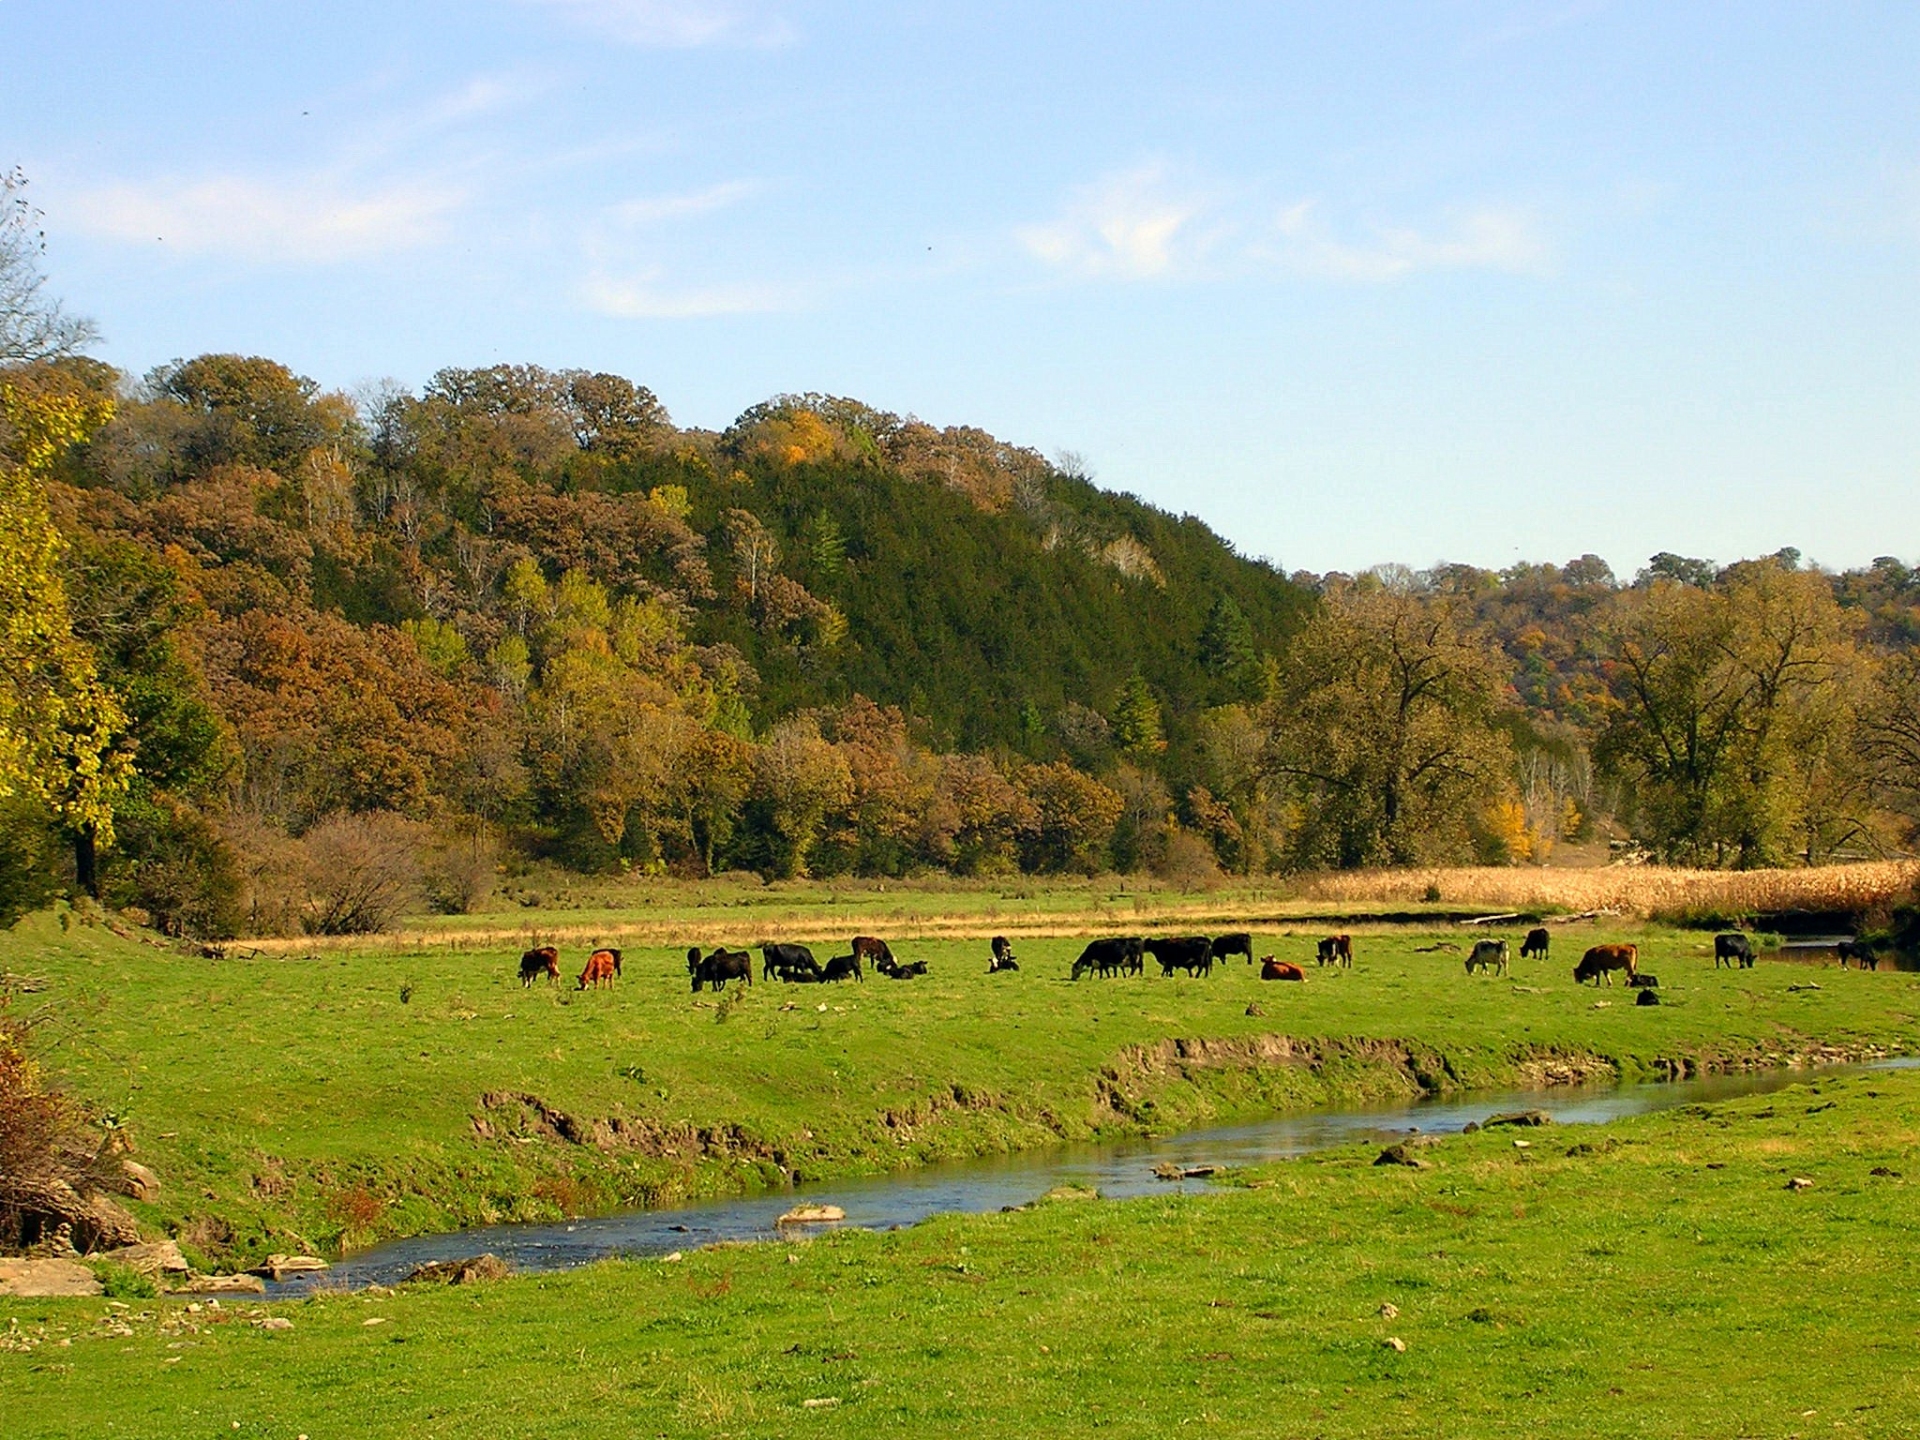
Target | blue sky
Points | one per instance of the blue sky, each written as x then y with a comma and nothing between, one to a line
1476,280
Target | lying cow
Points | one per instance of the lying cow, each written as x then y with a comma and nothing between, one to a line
1272,969
894,970
535,963
788,962
1192,953
1602,960
841,966
719,967
1535,944
1238,943
1730,948
1641,980
1488,955
1002,957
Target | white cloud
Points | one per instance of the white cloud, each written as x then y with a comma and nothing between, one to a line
312,219
643,297
672,24
1490,238
652,209
1145,224
1132,226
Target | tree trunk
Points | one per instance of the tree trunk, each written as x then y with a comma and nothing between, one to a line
86,859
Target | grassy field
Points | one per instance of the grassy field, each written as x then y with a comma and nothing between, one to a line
1657,1277
290,1103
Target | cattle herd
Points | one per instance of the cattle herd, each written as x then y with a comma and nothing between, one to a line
1126,955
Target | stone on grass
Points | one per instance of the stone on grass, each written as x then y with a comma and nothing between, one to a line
1799,1182
1394,1342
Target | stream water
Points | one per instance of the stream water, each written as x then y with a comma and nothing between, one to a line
1118,1170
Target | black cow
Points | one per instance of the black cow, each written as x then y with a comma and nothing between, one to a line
841,966
1648,997
1238,943
1002,958
894,970
1857,950
1108,957
1732,947
1643,981
719,967
1536,943
789,962
1192,953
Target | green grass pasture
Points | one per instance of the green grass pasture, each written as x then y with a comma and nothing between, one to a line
316,1103
1656,1277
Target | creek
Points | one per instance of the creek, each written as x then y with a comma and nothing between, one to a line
1118,1170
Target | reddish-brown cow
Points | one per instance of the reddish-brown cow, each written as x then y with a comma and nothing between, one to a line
1272,969
601,968
1602,960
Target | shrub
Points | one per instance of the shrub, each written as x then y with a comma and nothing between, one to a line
362,872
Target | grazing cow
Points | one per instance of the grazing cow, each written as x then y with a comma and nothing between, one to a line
1192,953
535,963
599,971
841,966
1857,950
1272,969
1488,955
1535,944
1602,960
1732,947
1323,952
1335,950
1238,943
789,962
1108,957
1641,980
872,950
719,967
613,957
1002,958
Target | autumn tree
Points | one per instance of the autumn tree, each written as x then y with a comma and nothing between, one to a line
1734,715
62,732
1384,728
801,780
1074,816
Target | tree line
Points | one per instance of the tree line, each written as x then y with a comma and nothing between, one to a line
273,656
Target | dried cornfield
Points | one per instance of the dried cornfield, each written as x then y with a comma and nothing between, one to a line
1644,890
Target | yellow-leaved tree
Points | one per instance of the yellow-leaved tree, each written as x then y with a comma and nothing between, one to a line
62,733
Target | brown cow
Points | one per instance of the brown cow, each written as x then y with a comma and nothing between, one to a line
1602,960
1272,969
871,950
611,954
535,963
600,968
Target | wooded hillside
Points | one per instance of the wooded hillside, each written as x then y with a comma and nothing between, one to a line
340,647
